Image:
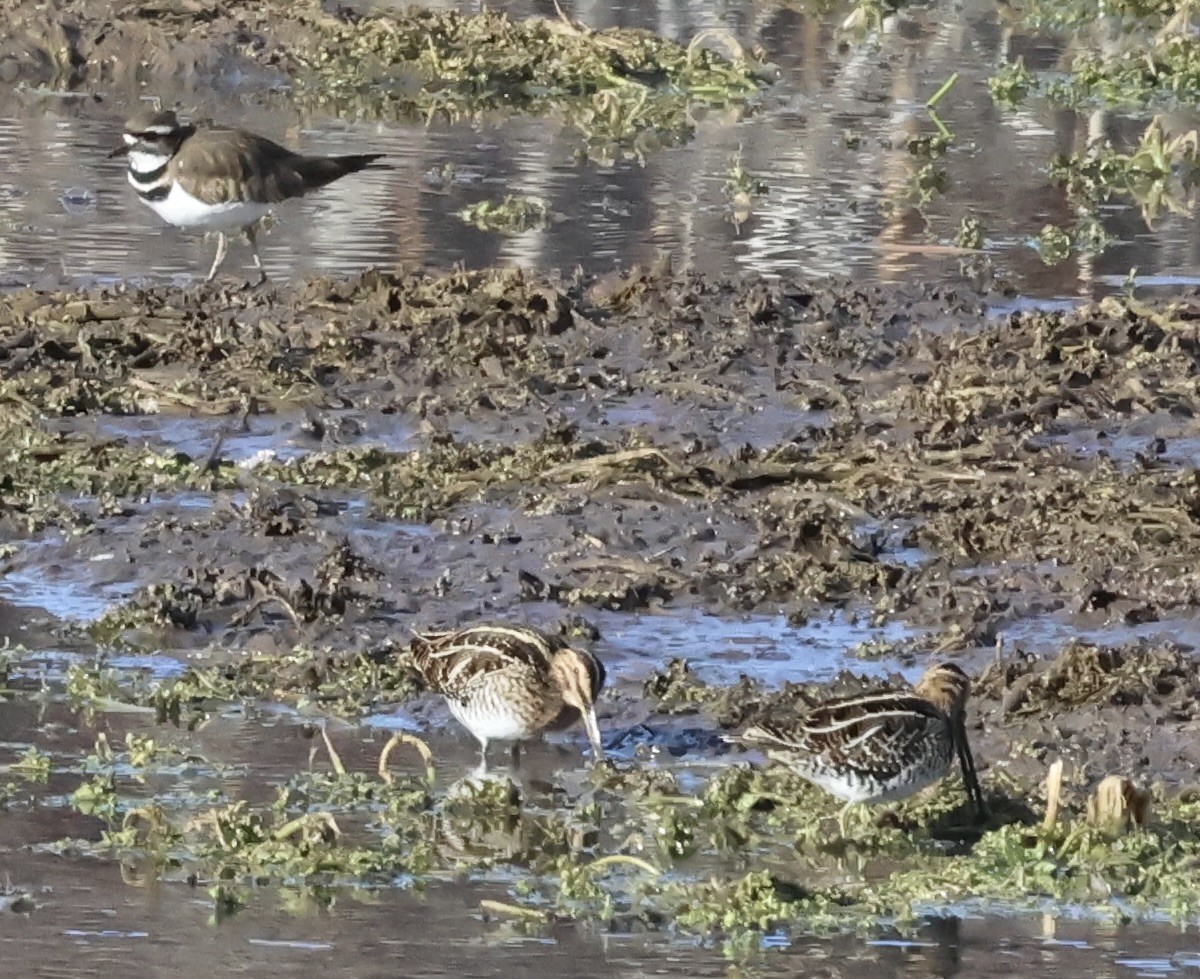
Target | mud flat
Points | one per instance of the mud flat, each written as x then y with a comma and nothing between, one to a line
226,509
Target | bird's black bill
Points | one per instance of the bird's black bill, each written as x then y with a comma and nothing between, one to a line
970,779
121,150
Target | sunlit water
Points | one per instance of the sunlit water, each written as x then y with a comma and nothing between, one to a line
828,141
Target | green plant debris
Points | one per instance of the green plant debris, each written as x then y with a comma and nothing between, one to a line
932,440
512,215
32,766
624,90
1159,174
970,233
1071,15
1054,244
1084,673
40,468
921,185
742,188
1011,84
748,849
1141,55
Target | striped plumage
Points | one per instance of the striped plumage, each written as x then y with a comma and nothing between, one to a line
882,745
507,682
219,179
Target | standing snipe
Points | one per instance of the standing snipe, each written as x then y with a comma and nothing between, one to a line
879,746
507,682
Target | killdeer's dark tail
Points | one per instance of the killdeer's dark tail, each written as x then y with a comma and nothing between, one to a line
318,171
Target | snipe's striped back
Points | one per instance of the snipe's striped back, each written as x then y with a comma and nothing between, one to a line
506,682
882,745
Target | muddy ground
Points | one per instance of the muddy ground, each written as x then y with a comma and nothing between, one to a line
648,441
270,489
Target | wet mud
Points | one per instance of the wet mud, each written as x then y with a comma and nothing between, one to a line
585,453
225,510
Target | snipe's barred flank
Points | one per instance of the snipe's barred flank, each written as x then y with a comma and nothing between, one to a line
219,179
879,746
508,682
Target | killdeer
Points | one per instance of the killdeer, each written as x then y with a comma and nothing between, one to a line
507,682
219,179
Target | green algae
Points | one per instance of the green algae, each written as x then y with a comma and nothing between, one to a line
1084,674
514,214
1159,174
749,849
348,683
43,472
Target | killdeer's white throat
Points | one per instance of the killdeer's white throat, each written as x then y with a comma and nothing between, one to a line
219,179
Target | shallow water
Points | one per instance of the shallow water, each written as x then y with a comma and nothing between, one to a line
80,916
821,140
91,923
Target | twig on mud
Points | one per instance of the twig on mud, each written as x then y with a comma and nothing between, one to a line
201,405
631,567
511,910
323,819
212,458
403,737
335,759
581,29
244,616
622,858
582,468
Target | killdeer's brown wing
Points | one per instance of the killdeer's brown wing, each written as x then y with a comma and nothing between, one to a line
221,166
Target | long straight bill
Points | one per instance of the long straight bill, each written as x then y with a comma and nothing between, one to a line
593,733
970,778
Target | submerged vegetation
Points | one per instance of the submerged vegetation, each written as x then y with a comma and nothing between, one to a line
512,215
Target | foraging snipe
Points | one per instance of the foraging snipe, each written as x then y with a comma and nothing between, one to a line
879,746
507,682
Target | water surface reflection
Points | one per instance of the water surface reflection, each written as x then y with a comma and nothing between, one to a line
829,140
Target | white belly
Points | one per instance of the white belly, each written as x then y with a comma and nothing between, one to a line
185,211
497,724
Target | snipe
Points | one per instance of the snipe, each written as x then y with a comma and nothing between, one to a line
879,746
508,682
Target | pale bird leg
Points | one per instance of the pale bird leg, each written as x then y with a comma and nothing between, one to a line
482,769
222,248
252,237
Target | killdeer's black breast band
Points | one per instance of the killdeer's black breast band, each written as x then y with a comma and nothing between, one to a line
148,176
155,193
